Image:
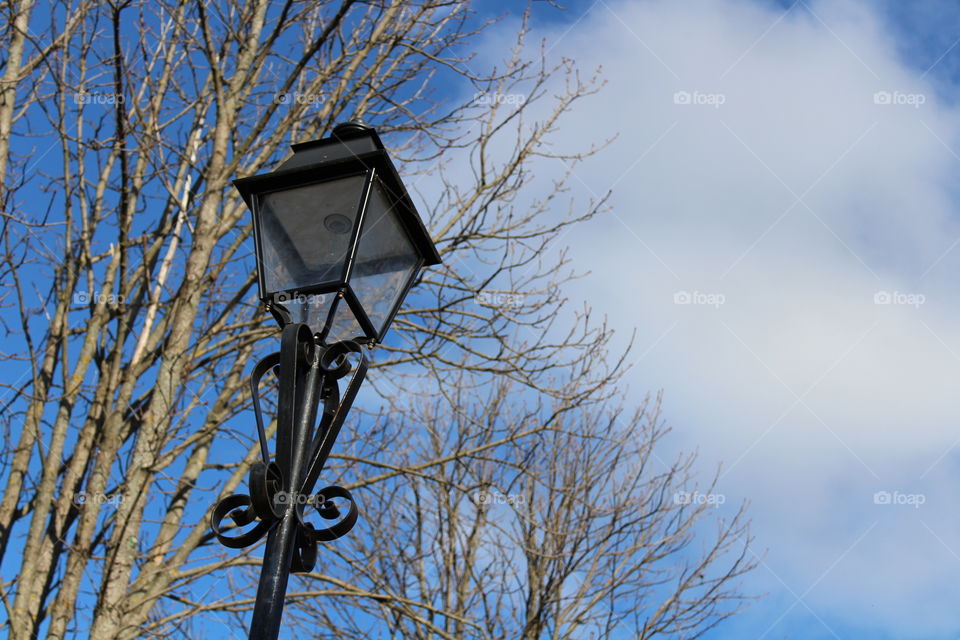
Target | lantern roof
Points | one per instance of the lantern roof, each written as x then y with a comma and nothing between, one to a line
351,147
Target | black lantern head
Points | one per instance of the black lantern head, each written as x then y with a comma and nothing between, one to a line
339,242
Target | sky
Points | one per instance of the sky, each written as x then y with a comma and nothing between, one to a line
783,237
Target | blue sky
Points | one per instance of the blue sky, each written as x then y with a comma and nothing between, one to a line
784,240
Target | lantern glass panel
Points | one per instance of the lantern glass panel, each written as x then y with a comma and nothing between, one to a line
306,233
386,259
311,309
345,325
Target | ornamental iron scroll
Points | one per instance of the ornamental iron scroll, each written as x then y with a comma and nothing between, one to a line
309,373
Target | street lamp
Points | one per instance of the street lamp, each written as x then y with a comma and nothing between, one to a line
339,243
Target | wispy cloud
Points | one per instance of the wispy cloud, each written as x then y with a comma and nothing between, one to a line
803,174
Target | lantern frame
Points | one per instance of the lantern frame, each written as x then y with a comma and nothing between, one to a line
352,149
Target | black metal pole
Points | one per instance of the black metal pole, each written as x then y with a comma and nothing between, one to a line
268,610
308,373
299,396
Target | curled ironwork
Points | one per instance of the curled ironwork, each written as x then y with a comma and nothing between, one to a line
282,484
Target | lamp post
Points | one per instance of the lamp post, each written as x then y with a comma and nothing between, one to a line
339,244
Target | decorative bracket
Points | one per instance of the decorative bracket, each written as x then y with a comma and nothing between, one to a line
308,373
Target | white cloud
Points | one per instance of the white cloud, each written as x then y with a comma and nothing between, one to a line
796,167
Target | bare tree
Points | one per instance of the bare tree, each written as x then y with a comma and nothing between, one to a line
130,312
505,515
